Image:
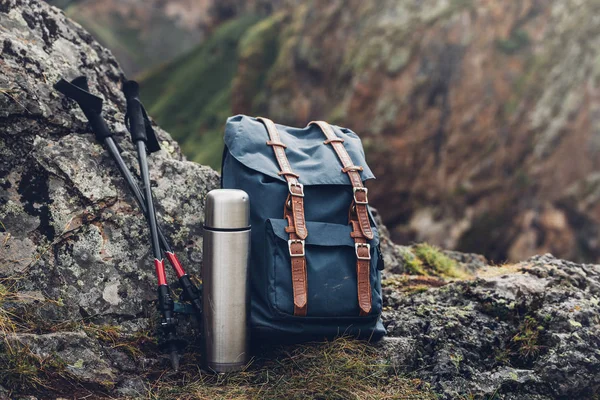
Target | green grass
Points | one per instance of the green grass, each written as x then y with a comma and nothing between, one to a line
340,369
7,326
343,368
190,97
19,367
22,370
526,345
527,339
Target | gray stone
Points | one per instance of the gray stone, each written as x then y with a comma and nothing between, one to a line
528,331
398,351
71,232
133,387
82,357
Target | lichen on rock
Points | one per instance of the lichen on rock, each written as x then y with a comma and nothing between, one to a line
515,332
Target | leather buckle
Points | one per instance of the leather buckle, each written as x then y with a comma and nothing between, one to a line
296,184
367,245
293,241
361,189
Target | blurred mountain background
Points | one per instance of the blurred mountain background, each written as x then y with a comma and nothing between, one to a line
480,118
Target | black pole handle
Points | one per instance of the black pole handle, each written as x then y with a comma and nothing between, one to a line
137,119
90,104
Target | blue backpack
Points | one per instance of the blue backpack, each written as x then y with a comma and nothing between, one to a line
315,259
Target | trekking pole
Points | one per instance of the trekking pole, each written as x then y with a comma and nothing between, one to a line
138,132
191,292
91,105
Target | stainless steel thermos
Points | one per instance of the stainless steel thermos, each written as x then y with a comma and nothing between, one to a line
226,297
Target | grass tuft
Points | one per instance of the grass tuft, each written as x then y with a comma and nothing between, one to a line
340,369
20,368
411,284
525,346
7,325
412,264
437,262
135,345
528,338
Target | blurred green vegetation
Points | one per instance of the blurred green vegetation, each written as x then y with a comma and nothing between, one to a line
190,97
517,40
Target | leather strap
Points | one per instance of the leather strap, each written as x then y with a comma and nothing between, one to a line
296,190
360,201
298,261
293,212
363,267
358,217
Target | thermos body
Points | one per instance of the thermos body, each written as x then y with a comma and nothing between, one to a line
226,296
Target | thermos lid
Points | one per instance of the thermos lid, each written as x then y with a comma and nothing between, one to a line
227,209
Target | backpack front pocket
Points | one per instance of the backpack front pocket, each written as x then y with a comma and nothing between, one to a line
331,271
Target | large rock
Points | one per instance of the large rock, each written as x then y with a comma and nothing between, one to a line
81,356
526,331
69,225
75,260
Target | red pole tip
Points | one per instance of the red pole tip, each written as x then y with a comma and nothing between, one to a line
176,264
159,265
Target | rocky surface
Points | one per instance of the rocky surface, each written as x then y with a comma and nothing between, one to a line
525,331
71,237
479,117
76,286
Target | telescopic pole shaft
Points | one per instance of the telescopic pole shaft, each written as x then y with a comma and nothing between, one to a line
166,304
91,105
190,290
150,212
135,190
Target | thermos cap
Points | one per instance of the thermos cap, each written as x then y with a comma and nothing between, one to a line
227,209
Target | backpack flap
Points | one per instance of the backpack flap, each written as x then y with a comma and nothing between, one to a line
246,139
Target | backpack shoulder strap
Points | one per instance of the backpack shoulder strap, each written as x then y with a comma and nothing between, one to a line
358,217
294,214
360,201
